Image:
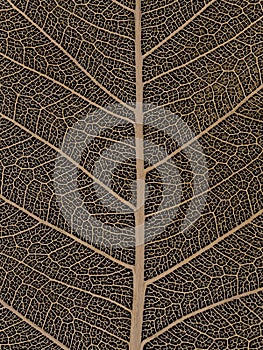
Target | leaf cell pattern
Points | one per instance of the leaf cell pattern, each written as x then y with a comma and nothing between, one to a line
196,283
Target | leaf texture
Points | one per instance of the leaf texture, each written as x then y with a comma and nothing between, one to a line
131,209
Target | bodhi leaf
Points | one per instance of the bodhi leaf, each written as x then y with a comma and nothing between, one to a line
131,174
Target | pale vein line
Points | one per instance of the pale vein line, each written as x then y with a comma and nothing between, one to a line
204,131
178,29
201,251
249,118
24,341
72,58
208,189
192,314
109,190
9,326
123,6
13,235
68,285
101,329
47,335
93,25
78,240
139,214
160,7
67,88
202,55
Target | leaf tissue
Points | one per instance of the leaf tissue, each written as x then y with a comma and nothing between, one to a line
131,164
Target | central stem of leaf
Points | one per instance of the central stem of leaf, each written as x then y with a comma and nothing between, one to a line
138,281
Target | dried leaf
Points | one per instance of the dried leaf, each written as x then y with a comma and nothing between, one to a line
131,174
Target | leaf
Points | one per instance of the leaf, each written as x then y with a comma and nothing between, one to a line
131,174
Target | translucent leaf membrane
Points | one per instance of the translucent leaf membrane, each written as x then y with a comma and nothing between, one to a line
131,174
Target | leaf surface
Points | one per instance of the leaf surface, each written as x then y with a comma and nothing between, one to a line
131,174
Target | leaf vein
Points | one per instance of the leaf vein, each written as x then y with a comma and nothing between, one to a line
68,285
178,29
72,59
202,55
205,131
58,150
32,324
201,251
96,250
67,88
209,307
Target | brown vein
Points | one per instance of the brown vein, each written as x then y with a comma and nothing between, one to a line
101,329
204,54
209,307
93,25
206,130
178,29
72,58
58,150
123,6
67,285
208,189
160,7
67,88
201,251
138,272
96,250
23,318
